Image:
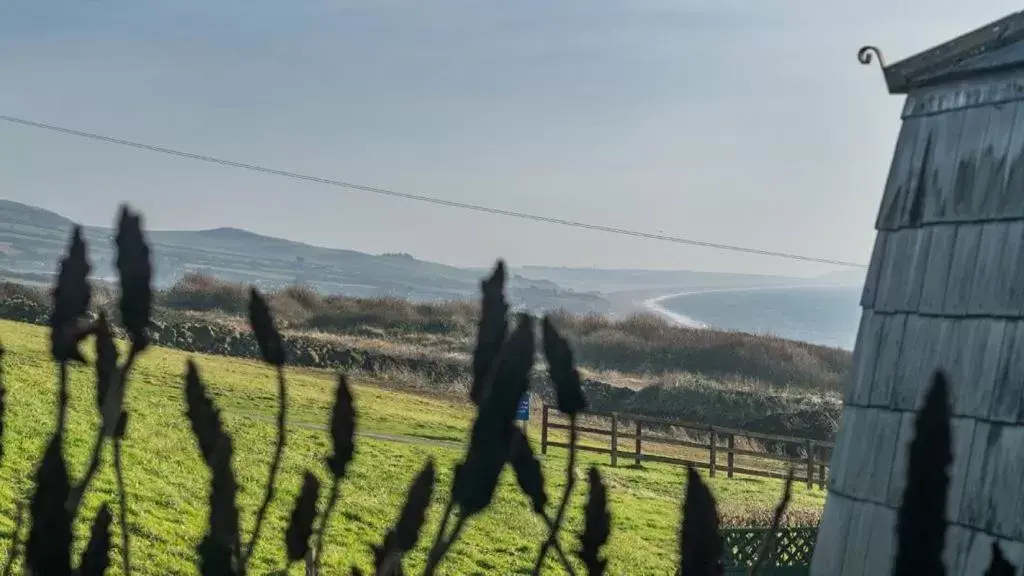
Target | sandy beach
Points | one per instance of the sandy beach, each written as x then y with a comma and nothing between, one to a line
654,305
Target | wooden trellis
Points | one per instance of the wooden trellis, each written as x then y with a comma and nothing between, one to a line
791,554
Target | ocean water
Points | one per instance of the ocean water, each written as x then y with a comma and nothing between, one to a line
828,316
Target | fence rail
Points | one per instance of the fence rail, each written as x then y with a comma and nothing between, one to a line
810,467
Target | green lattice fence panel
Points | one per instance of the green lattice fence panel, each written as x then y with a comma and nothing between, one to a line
790,556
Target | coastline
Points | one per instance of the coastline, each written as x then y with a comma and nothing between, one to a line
654,305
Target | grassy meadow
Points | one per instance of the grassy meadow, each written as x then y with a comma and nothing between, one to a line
168,482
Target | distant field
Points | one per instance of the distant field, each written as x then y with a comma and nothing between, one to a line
168,482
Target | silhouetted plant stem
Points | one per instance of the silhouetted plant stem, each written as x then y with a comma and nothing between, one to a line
12,553
558,547
387,567
456,532
3,396
570,483
405,532
332,501
310,564
437,553
769,538
439,537
62,398
122,494
94,464
275,464
111,411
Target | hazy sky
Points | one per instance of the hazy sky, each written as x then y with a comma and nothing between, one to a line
745,122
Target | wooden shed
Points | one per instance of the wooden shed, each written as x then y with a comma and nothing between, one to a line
945,289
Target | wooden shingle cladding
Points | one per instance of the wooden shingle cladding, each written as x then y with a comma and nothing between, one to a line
944,290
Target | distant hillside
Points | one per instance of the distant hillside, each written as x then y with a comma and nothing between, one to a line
32,241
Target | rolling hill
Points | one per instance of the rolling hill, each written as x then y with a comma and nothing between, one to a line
32,240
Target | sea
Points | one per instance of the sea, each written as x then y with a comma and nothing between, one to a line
828,316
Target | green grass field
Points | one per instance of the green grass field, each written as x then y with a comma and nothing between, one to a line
167,481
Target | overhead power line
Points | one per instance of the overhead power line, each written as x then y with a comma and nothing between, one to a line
426,199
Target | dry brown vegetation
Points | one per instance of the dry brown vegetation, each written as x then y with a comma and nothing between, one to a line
637,344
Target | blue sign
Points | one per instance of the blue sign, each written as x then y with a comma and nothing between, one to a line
523,411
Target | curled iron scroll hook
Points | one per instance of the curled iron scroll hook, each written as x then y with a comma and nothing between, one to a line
867,55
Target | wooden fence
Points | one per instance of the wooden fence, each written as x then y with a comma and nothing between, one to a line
721,444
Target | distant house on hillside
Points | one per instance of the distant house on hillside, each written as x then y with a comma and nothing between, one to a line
945,289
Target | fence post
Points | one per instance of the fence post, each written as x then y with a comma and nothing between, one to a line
638,455
615,438
729,458
821,467
713,444
544,430
810,464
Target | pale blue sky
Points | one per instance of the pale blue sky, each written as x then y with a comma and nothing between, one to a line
744,122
